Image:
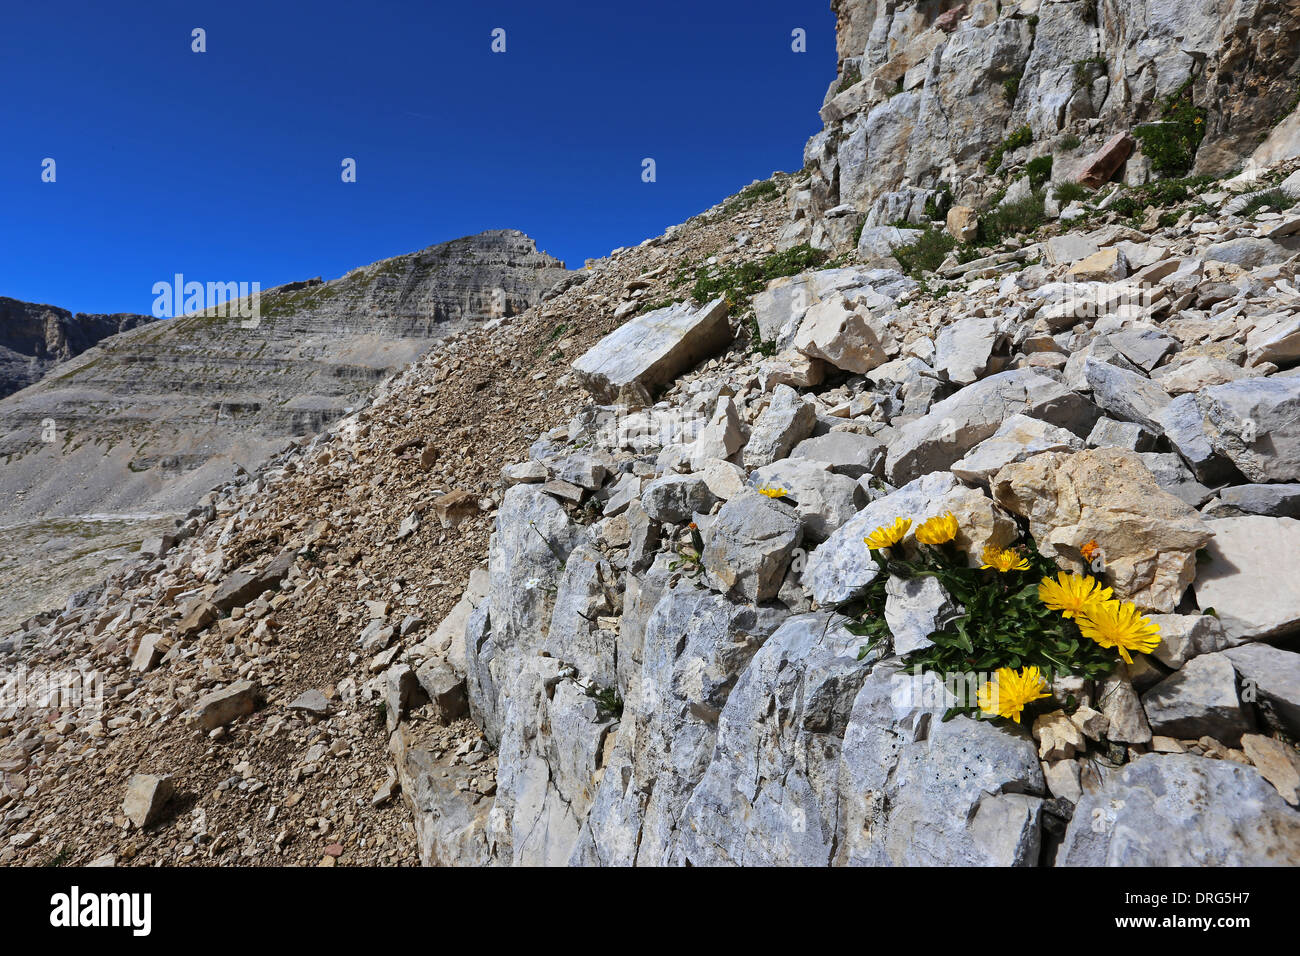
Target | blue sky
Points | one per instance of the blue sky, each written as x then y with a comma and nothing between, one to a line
225,165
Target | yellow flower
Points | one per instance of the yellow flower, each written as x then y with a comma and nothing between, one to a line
888,535
1008,696
937,530
1071,594
1004,561
772,492
1112,624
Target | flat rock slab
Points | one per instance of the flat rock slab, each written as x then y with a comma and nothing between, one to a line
146,796
1182,810
653,349
222,706
1255,595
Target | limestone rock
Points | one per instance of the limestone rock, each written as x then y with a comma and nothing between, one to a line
749,545
1199,700
1152,813
652,349
786,421
146,798
1254,595
1148,538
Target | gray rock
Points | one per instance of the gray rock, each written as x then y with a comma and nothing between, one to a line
964,349
1126,395
749,545
1184,636
842,567
1121,707
823,500
1273,501
1255,422
674,498
1270,674
777,752
786,421
1108,433
1175,477
916,791
1248,252
644,535
1016,439
961,421
844,334
1183,425
1255,595
879,242
651,350
1144,347
445,689
146,798
222,706
847,453
1198,700
1153,813
311,702
914,609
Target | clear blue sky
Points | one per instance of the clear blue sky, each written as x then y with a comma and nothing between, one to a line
225,165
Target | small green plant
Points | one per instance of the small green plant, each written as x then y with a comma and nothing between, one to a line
1273,198
1068,192
1010,219
1171,144
1069,141
609,705
1021,137
926,253
739,283
852,77
937,204
1087,70
1039,171
1010,88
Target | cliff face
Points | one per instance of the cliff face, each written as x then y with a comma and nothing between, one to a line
152,418
34,338
926,92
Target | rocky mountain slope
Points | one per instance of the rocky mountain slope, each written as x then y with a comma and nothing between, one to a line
34,338
151,419
619,579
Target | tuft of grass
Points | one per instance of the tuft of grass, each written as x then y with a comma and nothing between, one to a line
1021,137
1014,218
740,283
1171,144
1039,171
852,77
1274,198
1070,141
1087,70
926,253
1068,192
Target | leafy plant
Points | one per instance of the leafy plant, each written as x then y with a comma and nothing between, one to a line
1009,219
1273,198
1070,141
1171,144
1016,611
1087,70
926,253
1039,171
1068,192
852,77
1021,137
609,705
739,283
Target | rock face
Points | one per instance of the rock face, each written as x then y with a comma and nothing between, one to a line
1148,814
151,419
923,99
35,338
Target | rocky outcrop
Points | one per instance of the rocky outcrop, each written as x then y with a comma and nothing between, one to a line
35,338
925,93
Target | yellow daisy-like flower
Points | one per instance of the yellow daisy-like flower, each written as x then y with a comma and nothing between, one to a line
937,530
1004,561
888,535
1112,624
1008,695
1071,594
772,492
